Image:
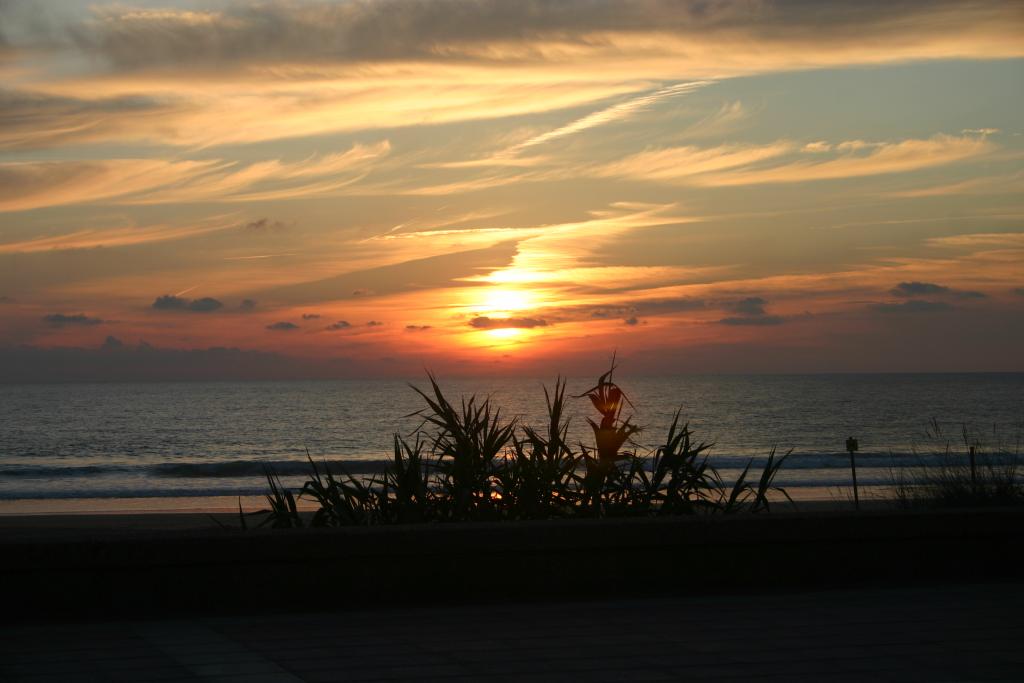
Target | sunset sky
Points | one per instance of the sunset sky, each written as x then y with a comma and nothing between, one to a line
372,187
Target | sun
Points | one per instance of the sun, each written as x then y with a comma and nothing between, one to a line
505,333
500,300
500,312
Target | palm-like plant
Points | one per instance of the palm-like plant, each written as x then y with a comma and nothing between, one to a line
682,478
466,443
406,493
283,512
467,464
341,502
612,432
538,476
610,435
754,498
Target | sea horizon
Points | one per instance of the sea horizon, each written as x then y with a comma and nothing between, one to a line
424,377
129,440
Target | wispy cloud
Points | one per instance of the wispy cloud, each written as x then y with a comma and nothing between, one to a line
681,164
611,114
35,184
268,180
277,69
883,158
133,38
511,156
734,164
727,118
1002,184
36,120
981,240
117,237
32,185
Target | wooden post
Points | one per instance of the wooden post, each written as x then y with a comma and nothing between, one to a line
974,475
851,446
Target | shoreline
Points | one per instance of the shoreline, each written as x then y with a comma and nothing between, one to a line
70,525
812,497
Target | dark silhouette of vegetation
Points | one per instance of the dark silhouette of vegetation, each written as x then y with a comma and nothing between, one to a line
975,477
466,463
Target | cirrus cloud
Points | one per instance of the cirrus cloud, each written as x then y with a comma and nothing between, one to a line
245,72
784,161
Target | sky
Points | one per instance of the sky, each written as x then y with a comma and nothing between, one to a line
277,189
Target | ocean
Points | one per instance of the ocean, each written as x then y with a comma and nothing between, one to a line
116,446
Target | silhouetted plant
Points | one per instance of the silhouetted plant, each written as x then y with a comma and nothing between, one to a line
467,464
692,483
283,511
754,498
537,478
406,493
975,477
610,434
341,502
466,444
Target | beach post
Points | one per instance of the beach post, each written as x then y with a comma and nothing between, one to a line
851,446
974,475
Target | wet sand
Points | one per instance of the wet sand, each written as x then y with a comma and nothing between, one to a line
88,518
196,512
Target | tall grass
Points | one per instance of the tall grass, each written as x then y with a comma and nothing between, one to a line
979,475
466,462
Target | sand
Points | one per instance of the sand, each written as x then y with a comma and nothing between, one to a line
25,519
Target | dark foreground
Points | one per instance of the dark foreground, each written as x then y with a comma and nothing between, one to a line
136,572
942,632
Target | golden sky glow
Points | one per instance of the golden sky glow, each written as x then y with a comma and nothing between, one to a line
368,188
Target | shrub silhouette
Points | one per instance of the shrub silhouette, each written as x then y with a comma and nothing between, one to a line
466,463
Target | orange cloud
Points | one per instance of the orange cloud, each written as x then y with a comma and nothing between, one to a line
256,181
736,164
115,237
883,158
680,164
131,39
33,184
277,69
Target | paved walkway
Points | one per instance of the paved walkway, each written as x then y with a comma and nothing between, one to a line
937,633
